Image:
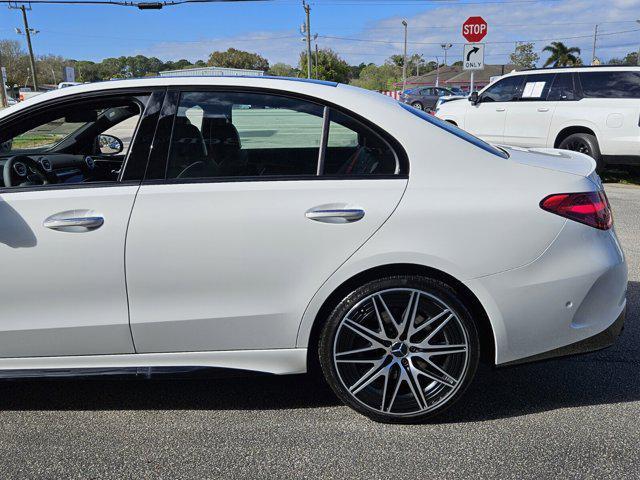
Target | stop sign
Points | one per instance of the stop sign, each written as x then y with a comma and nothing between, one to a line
474,29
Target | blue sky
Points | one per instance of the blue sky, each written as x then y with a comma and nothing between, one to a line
369,30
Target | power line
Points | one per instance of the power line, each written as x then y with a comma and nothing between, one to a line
144,5
391,42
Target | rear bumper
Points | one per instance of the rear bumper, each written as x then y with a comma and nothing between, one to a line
599,341
572,293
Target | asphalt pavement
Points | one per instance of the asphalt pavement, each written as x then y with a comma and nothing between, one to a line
571,418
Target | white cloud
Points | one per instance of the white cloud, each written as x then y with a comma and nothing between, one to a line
544,21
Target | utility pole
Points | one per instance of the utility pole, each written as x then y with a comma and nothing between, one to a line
595,38
27,32
307,10
404,57
3,91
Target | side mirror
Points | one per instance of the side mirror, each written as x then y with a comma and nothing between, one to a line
6,146
473,98
110,145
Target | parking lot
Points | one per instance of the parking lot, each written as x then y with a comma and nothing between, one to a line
569,418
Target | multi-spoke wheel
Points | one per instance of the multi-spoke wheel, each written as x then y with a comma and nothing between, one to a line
400,349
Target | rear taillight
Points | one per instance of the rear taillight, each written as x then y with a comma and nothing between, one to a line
590,208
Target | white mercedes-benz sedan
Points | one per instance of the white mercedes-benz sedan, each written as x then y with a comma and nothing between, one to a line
280,226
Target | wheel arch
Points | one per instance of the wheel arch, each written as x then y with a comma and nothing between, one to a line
566,131
485,329
452,122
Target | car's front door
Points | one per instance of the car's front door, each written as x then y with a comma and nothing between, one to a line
228,247
63,288
486,119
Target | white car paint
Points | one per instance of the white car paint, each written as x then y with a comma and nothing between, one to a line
614,121
237,267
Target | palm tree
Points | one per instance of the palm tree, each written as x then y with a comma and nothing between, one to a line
561,55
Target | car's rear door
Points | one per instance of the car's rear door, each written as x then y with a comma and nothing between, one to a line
230,240
529,116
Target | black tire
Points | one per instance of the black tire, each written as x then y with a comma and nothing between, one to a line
458,368
584,143
417,105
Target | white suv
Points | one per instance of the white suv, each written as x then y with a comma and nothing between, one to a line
594,110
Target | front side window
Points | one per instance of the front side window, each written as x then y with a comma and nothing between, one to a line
562,88
75,142
610,84
505,90
233,134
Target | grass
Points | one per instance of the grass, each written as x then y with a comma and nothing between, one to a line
25,142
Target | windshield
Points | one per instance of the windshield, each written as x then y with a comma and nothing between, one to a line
458,132
46,136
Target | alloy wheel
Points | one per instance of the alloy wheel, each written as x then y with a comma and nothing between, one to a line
401,352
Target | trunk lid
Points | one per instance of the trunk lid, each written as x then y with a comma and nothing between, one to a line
565,161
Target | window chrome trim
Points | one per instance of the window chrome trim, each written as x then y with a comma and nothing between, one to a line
402,160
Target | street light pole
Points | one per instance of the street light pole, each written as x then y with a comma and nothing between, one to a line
3,91
595,38
445,47
307,10
404,57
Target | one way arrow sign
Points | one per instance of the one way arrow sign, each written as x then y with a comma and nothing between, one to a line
473,56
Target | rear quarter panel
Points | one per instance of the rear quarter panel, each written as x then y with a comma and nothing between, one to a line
614,122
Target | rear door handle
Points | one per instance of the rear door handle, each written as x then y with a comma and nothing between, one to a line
75,221
335,215
500,109
543,109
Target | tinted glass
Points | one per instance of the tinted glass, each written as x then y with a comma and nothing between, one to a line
536,87
505,90
354,149
562,88
458,132
610,84
232,134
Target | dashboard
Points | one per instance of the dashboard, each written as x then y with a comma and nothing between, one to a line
66,168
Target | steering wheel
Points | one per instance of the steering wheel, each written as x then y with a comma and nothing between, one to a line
19,168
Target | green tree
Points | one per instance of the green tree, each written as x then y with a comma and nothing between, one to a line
630,59
330,66
415,63
15,60
561,55
282,70
378,77
524,56
233,58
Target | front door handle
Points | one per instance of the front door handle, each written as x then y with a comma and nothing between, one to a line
75,221
335,215
500,109
543,109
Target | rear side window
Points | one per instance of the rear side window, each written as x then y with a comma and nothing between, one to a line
536,87
505,90
610,84
252,134
562,88
353,149
458,132
229,134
